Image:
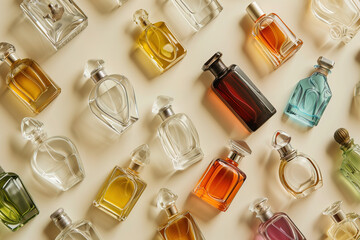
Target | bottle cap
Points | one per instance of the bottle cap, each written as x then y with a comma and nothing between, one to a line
61,219
326,63
254,11
7,53
342,137
335,212
239,149
166,200
140,157
215,65
141,18
261,209
163,107
33,130
281,142
94,69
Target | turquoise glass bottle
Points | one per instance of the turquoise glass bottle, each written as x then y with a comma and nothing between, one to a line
311,95
16,205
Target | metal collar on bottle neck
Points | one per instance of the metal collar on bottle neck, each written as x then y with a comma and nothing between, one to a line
11,58
235,156
266,215
98,75
136,167
339,216
254,11
171,211
287,152
166,112
61,219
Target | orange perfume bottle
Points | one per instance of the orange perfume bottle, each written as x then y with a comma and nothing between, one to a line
276,40
223,179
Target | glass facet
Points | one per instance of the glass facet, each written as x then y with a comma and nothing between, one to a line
58,20
198,13
158,42
177,134
239,93
55,159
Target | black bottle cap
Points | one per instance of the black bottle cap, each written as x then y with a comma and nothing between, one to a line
215,65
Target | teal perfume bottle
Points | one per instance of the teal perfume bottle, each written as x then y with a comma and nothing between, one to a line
350,167
311,95
16,205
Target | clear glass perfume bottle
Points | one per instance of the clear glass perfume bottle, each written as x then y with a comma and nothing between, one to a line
112,100
177,134
311,95
222,179
123,188
350,167
276,40
274,226
27,80
198,12
179,225
58,20
16,205
344,226
55,159
299,174
239,93
342,16
158,42
80,230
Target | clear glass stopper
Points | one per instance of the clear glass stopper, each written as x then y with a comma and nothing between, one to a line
6,49
166,199
141,18
56,12
261,208
335,212
94,68
281,142
33,130
141,155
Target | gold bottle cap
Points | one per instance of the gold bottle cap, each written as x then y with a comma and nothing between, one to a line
254,11
342,136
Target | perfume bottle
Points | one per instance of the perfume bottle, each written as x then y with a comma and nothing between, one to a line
274,226
344,225
82,230
222,179
58,20
158,42
123,188
16,205
112,100
342,16
299,174
311,95
239,93
198,13
27,80
179,225
55,159
350,167
276,40
177,134
121,2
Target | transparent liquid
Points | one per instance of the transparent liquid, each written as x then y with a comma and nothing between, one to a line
350,166
345,230
83,230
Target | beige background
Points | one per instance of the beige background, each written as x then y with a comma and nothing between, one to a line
110,35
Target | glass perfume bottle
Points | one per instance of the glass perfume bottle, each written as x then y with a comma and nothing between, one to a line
222,179
239,93
311,95
58,20
299,174
198,13
123,188
80,230
342,16
177,134
55,159
16,204
121,2
350,167
274,226
158,42
344,226
179,225
112,100
27,80
276,40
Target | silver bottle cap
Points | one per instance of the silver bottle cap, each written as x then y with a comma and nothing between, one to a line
254,11
281,142
325,62
61,219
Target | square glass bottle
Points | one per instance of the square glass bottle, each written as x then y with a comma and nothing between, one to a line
222,179
275,39
27,80
16,204
58,20
123,188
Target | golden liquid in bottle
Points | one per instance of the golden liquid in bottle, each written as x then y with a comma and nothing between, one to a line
120,192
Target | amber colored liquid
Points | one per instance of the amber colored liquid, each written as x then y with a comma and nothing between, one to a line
220,183
31,85
273,37
180,229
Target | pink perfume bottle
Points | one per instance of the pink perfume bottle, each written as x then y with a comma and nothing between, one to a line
274,226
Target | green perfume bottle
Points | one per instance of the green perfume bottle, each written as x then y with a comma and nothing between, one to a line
350,166
16,205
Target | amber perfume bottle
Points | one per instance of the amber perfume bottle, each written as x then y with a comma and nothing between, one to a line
276,40
222,179
239,93
27,80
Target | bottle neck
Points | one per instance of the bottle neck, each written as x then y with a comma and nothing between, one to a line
98,75
338,217
144,23
322,70
287,152
11,58
135,167
166,112
346,146
62,221
171,211
235,157
218,68
39,139
265,216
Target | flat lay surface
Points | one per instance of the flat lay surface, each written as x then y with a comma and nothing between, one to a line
111,35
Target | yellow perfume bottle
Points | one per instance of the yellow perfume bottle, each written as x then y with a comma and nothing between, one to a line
123,187
158,42
27,80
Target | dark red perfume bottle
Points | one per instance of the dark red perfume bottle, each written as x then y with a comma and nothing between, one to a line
239,93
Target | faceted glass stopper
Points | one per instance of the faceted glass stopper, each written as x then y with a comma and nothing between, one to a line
259,206
342,136
92,66
240,147
333,209
5,50
141,155
141,17
31,128
280,139
165,198
161,102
